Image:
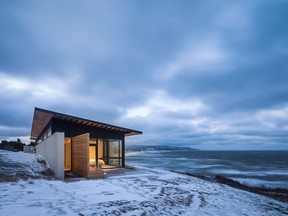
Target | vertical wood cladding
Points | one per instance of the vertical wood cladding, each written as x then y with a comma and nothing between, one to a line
80,154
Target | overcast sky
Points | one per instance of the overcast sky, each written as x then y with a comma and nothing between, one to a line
205,74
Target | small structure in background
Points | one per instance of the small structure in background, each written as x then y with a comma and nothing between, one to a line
83,146
29,149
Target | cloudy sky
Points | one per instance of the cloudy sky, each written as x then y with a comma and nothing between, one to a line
205,74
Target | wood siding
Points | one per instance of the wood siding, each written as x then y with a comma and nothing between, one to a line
98,173
80,154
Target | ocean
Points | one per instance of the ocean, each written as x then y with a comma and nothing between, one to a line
258,168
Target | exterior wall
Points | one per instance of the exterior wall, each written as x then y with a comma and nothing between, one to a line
80,154
52,149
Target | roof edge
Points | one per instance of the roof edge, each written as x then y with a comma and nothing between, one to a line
133,132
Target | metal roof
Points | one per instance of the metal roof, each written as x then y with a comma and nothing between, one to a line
42,117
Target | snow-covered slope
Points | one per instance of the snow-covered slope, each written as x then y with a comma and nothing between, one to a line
153,193
20,165
140,192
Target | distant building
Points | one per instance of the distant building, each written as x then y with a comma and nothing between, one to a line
83,146
29,149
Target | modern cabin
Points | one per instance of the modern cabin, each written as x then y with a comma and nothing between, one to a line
83,146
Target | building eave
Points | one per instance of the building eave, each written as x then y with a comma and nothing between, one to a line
42,117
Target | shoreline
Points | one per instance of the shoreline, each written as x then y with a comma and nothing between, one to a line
251,169
280,194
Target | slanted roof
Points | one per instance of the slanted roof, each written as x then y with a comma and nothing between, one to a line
42,117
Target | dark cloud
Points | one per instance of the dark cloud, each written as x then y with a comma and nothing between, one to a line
211,75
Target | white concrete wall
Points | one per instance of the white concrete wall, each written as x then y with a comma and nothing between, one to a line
52,149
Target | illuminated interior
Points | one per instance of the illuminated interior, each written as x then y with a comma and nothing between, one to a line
108,152
67,154
103,154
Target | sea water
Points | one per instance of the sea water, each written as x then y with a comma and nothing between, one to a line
268,168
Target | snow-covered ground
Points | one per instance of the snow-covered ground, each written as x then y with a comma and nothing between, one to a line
20,165
148,192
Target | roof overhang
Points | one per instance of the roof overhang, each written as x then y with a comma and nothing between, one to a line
42,117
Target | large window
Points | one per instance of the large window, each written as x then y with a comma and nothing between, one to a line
108,152
115,152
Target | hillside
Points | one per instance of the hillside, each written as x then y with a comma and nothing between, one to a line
136,192
19,165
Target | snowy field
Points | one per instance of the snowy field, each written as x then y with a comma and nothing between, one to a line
149,192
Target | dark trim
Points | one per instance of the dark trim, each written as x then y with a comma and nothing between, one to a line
107,147
119,151
123,153
71,150
72,164
96,153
